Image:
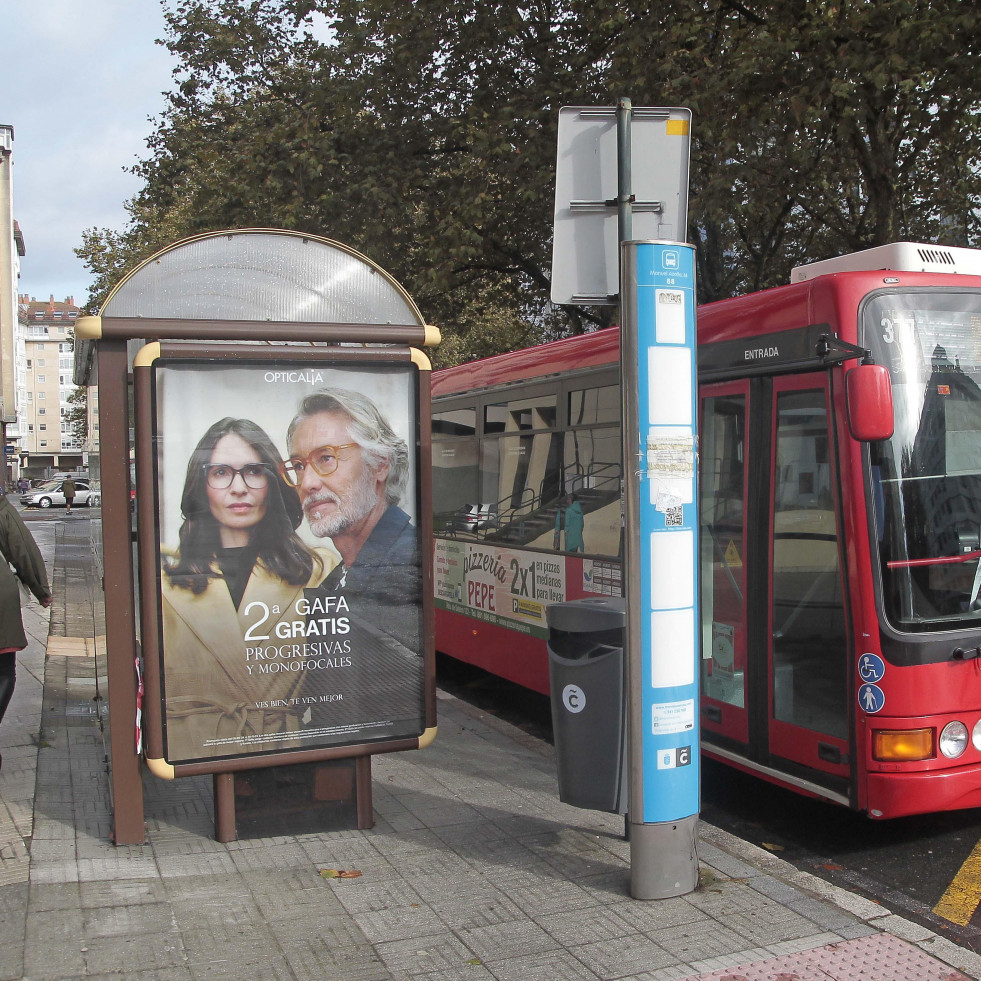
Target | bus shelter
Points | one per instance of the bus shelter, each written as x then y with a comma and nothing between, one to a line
252,384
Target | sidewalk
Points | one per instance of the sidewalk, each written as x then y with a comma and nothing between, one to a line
474,869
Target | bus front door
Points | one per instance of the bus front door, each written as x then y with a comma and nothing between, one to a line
774,651
807,662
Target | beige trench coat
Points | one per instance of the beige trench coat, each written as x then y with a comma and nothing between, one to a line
214,705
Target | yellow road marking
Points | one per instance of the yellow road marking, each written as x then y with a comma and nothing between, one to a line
963,894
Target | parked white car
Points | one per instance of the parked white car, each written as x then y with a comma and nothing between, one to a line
49,494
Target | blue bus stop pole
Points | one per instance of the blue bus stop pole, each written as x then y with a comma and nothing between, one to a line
659,382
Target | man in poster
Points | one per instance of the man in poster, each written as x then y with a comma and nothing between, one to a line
350,469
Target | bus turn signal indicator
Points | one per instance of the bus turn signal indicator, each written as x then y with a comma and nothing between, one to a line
902,745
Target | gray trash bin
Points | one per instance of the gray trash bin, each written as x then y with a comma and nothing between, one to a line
587,677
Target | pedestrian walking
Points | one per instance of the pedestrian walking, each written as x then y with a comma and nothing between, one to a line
68,489
18,549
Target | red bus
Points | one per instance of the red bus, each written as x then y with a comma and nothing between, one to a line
840,573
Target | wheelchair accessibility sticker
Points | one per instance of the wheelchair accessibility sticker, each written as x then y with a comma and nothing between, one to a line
871,668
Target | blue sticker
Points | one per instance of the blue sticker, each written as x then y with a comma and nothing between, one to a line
871,668
871,699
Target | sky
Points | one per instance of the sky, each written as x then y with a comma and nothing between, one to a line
79,81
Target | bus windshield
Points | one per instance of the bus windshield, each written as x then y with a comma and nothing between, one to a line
926,479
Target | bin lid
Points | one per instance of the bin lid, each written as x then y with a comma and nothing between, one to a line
587,615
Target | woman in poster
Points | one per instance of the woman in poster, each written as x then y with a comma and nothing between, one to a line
228,594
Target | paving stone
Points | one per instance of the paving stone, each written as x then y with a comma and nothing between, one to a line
333,929
438,954
229,944
126,921
363,895
295,893
696,942
543,967
624,956
397,922
316,959
511,938
121,892
145,952
572,929
12,960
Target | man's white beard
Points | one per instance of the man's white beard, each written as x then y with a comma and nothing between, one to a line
362,500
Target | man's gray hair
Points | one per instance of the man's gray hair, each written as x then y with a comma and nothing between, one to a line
368,428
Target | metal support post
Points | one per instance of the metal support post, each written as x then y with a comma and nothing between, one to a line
659,384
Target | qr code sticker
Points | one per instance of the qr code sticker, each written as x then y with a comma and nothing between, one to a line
674,517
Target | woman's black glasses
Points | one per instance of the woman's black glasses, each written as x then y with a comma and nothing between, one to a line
220,475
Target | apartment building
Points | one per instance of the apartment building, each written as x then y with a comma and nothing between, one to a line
11,249
45,364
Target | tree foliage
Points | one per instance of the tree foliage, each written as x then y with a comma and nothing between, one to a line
423,134
77,417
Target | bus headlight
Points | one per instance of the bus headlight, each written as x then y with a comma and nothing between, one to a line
953,740
976,735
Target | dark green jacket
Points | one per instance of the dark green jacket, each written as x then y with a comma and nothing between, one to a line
18,548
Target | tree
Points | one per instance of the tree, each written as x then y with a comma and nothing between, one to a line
77,417
423,134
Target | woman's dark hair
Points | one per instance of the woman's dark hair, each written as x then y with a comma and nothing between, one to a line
274,538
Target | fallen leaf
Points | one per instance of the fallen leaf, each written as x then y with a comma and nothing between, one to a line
771,847
474,960
340,873
831,866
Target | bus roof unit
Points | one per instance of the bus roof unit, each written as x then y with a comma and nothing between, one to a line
901,257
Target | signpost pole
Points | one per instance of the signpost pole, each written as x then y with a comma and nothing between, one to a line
656,292
659,383
624,174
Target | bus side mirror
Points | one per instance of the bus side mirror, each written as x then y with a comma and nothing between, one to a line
868,394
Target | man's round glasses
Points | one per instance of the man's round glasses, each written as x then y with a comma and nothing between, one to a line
221,475
323,461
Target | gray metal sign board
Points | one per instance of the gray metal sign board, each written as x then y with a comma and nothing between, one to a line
585,245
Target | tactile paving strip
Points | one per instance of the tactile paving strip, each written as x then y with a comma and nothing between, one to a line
878,958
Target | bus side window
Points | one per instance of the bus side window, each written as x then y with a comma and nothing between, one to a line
455,465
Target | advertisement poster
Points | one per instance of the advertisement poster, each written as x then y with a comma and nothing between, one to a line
508,587
290,583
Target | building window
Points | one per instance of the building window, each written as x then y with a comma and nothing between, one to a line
42,412
40,378
43,426
44,442
41,395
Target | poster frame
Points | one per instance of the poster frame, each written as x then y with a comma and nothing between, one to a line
224,354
